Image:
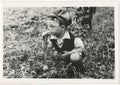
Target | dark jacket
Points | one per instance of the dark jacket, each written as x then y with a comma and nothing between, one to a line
68,44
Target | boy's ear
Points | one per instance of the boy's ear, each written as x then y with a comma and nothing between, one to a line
63,27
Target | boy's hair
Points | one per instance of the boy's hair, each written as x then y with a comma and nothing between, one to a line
62,17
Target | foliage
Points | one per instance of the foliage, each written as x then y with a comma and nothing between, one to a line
24,58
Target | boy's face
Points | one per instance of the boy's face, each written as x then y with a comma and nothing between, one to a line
55,28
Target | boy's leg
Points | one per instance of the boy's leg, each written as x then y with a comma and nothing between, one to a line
77,62
53,57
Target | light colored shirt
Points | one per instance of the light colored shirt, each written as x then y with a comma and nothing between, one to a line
79,46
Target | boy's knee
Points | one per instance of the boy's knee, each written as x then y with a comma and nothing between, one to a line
55,53
75,57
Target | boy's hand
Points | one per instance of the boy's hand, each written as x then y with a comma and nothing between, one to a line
66,53
45,35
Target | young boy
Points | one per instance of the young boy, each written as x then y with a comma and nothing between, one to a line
66,46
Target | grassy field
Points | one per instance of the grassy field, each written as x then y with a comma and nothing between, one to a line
24,58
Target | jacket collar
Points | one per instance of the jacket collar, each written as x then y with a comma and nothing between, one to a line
65,36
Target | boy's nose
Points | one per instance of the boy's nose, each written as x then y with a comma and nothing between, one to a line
52,32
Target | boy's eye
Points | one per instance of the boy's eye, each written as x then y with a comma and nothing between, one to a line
51,26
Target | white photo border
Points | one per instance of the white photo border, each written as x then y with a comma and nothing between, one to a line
36,3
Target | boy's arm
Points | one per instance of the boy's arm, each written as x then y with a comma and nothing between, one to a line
44,45
79,46
45,36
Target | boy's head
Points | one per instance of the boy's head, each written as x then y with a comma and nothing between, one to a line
59,21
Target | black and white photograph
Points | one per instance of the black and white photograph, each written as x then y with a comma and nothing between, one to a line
59,42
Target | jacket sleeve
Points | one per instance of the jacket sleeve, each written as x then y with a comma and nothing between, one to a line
79,45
